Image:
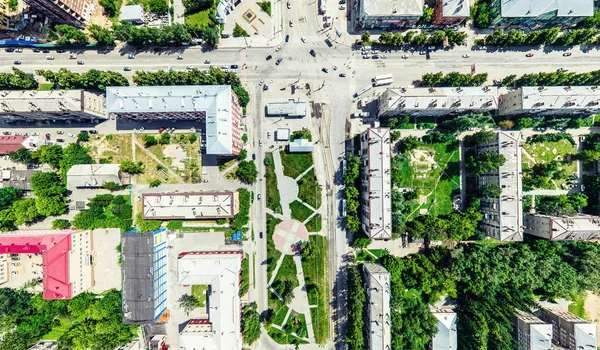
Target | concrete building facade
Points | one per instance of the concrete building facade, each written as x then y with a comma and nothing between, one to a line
580,228
389,14
446,337
190,205
377,318
531,332
551,100
503,216
376,183
570,331
72,12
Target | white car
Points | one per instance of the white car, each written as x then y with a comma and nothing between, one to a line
289,4
383,57
405,56
50,58
260,142
303,39
278,48
71,135
291,23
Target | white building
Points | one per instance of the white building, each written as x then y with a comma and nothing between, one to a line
570,331
581,227
220,271
376,183
132,14
503,216
446,336
190,205
437,101
532,333
289,109
378,319
93,175
551,100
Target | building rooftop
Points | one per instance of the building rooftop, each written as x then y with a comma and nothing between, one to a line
443,99
535,8
190,205
378,284
282,134
301,145
540,332
92,175
132,12
137,267
17,178
446,336
380,183
560,97
291,108
581,227
391,8
456,8
212,102
51,101
10,144
220,270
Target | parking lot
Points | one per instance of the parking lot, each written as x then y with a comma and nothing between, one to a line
23,268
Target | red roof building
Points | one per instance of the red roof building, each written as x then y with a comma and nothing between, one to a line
11,143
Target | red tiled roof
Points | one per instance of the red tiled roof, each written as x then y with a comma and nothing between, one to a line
11,143
55,259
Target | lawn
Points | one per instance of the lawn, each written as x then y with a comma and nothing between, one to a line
272,253
578,307
199,291
110,148
279,310
273,198
300,211
545,152
191,162
45,86
315,275
287,271
294,164
200,20
314,224
309,189
281,338
297,324
152,171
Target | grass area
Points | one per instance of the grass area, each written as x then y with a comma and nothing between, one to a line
578,307
45,86
279,310
279,316
296,323
379,253
272,253
300,211
110,148
281,337
225,163
152,171
239,32
200,20
64,324
287,271
309,189
294,164
273,198
545,152
189,167
314,224
199,291
265,6
315,275
146,4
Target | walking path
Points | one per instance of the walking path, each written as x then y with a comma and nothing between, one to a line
300,301
287,183
171,172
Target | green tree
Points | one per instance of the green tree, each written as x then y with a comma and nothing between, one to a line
192,138
83,137
22,155
111,8
285,288
490,190
48,206
365,37
174,224
245,138
242,155
165,138
60,224
149,140
159,7
130,167
8,195
103,36
589,155
25,211
355,301
193,6
485,162
188,303
239,32
210,36
481,17
49,154
247,172
155,183
250,323
47,184
427,15
111,186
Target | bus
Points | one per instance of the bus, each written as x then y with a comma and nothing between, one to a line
382,77
363,90
383,82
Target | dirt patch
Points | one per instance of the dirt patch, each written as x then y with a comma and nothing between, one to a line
592,309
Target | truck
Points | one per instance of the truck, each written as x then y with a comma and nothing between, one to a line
383,82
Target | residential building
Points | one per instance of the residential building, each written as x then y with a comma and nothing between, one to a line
132,14
10,144
3,268
570,331
51,106
144,267
72,12
580,228
389,14
216,105
16,178
377,318
446,337
536,14
289,109
503,216
451,12
6,14
190,205
551,100
66,258
95,175
376,183
437,101
300,146
532,333
220,271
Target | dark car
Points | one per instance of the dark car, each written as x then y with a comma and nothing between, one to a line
325,70
17,62
279,61
265,87
253,156
36,50
260,234
47,136
269,57
234,66
46,51
313,53
287,38
60,140
60,51
9,49
342,75
93,132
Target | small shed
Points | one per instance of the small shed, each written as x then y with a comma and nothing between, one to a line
282,134
133,14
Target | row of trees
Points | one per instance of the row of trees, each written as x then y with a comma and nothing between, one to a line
91,80
355,302
440,79
485,162
591,148
419,39
559,78
574,122
250,323
17,80
65,35
350,180
550,36
214,76
455,226
561,205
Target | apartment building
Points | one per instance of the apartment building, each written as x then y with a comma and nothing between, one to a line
551,100
451,12
446,337
580,228
190,205
389,14
377,318
216,105
534,14
376,183
72,12
503,216
570,331
531,332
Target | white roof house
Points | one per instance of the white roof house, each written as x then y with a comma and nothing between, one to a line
532,333
377,284
290,108
65,103
391,8
536,8
551,99
571,331
580,227
282,134
132,13
300,146
455,8
93,175
446,336
190,205
220,270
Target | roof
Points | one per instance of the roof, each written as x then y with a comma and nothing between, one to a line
540,332
379,183
213,102
282,134
446,336
378,293
536,8
584,332
132,13
17,178
136,264
51,101
221,271
291,108
560,97
92,175
190,205
581,227
54,247
10,144
455,8
391,8
300,145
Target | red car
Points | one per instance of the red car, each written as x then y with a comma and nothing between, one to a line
529,55
161,130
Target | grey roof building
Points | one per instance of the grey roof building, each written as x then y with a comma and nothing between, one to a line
300,146
378,319
17,179
136,262
290,109
570,331
580,228
503,216
132,14
446,336
389,13
532,333
190,205
551,100
94,175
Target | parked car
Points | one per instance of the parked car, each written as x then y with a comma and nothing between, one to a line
127,69
269,57
9,49
342,75
131,56
80,63
73,57
291,23
260,234
234,66
279,61
93,132
17,62
405,56
325,70
60,51
48,137
36,50
60,140
287,38
313,53
529,54
50,58
258,196
45,51
567,54
60,132
253,156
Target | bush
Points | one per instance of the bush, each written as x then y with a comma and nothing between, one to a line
165,138
155,183
130,167
60,224
174,224
265,6
149,140
239,31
